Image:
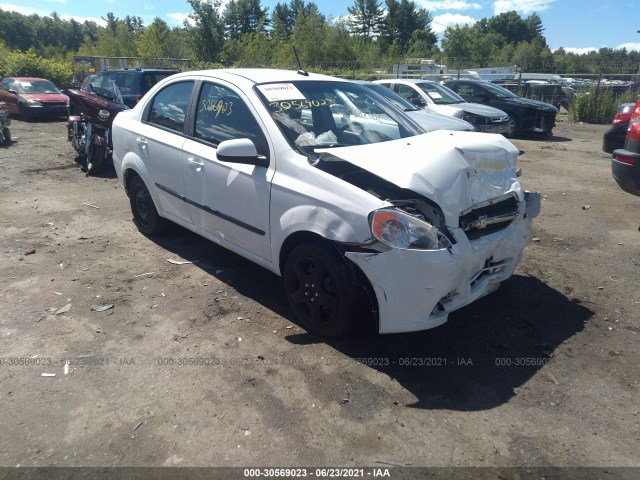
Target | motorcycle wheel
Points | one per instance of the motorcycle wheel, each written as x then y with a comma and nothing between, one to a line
95,158
6,133
77,135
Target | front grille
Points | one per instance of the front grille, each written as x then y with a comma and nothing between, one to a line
54,104
490,216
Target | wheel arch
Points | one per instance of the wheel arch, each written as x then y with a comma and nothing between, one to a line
356,275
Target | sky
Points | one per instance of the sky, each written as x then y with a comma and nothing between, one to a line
576,25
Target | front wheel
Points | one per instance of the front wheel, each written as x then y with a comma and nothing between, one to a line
145,214
25,115
95,158
320,291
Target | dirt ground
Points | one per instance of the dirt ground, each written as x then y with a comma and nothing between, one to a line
202,364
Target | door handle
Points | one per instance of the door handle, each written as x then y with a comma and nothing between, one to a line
142,142
194,162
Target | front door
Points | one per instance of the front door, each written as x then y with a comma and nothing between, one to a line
228,200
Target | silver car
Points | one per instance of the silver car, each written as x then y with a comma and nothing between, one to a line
437,98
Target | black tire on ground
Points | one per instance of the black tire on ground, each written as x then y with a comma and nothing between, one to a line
95,158
320,291
145,215
24,114
514,126
6,134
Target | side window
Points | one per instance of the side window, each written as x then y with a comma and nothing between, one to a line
124,81
406,92
222,115
169,106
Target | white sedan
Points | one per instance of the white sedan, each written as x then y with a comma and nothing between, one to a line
361,220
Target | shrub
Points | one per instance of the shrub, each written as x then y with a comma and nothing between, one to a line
598,105
28,64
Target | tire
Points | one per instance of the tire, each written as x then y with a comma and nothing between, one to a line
24,114
6,133
145,214
95,158
320,291
514,126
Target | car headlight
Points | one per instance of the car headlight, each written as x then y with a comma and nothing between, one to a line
397,229
33,103
104,114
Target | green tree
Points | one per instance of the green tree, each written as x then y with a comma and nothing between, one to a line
243,16
155,41
367,18
402,20
207,35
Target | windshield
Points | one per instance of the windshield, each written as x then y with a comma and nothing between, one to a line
393,97
440,94
499,91
324,113
36,86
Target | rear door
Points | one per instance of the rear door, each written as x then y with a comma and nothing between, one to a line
159,141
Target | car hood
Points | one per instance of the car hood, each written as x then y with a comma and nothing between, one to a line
527,102
45,97
448,110
480,109
434,121
456,170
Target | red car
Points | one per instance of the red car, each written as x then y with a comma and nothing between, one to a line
625,164
33,97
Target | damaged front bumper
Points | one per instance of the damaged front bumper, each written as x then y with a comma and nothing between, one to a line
417,289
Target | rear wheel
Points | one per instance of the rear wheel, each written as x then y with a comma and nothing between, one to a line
513,126
145,215
320,291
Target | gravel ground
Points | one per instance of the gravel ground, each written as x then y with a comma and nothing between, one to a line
203,364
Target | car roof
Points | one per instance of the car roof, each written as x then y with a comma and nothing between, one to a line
258,75
407,80
22,79
138,69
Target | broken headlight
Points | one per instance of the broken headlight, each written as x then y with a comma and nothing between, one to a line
397,229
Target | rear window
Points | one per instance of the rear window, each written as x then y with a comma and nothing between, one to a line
149,79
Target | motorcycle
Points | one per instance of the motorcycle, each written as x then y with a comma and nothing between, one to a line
91,113
5,121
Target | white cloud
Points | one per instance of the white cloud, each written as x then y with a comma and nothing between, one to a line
526,7
178,18
629,46
441,22
579,51
36,11
432,5
585,50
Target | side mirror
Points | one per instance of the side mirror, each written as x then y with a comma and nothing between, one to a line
418,102
240,150
13,90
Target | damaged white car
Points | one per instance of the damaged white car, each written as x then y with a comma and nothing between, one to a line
361,213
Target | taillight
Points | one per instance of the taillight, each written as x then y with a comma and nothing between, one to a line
634,125
621,117
626,160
